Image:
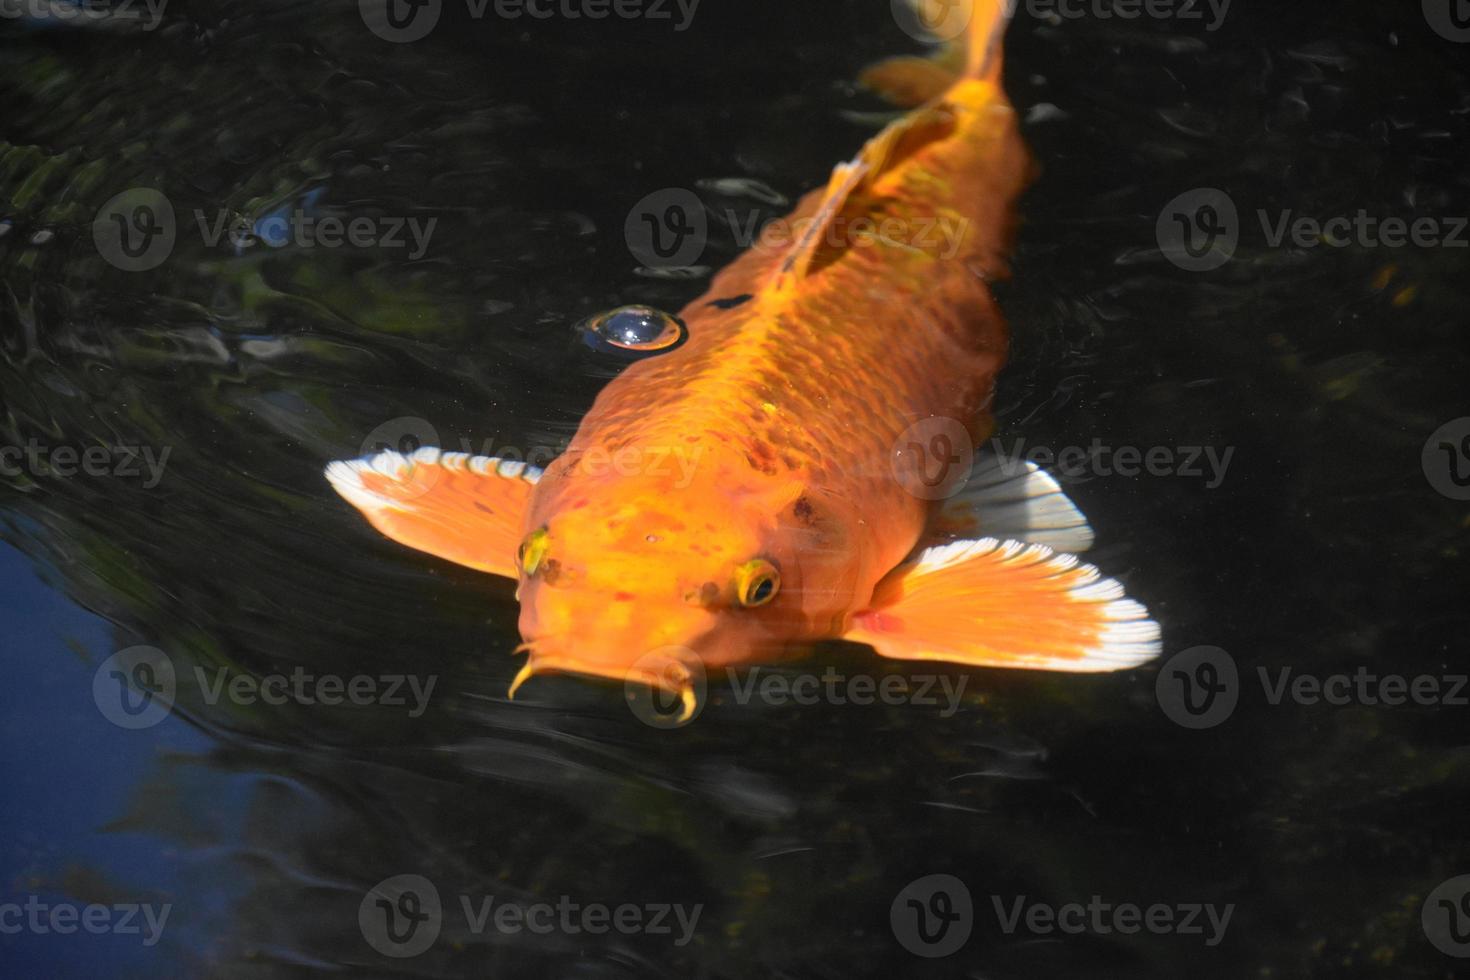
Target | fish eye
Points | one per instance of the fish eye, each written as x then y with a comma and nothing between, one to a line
633,330
756,583
533,551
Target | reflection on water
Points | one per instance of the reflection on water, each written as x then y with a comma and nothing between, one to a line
496,167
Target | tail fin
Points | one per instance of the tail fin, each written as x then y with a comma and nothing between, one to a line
971,33
984,36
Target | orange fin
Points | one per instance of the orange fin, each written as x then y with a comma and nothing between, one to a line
992,603
462,508
845,177
908,81
969,32
905,137
848,190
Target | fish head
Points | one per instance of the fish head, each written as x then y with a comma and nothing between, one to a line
624,572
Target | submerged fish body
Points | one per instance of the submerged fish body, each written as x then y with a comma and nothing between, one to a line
756,486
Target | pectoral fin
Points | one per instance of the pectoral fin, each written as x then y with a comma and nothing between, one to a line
462,508
909,81
1014,500
991,603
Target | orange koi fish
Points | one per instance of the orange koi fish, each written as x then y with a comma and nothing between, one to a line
803,402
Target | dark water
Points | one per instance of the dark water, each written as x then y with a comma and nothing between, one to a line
1324,546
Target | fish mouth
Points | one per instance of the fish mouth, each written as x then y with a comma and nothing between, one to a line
674,670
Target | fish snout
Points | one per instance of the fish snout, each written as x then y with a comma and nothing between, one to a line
617,640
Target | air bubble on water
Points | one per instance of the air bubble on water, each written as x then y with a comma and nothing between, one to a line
743,187
673,272
1045,112
633,329
43,236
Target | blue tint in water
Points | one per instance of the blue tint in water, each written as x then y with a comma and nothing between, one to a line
68,772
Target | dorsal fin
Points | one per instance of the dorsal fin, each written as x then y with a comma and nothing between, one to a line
905,137
851,183
845,178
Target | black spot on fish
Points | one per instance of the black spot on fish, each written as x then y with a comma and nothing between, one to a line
804,512
730,302
761,459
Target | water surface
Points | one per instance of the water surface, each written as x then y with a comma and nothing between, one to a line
1323,546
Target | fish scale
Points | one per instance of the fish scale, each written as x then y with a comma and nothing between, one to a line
816,381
